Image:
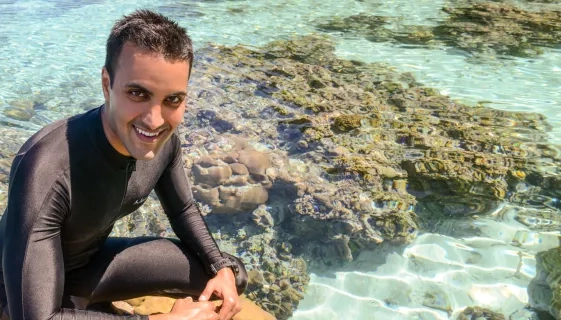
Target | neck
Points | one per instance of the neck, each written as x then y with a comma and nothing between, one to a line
110,134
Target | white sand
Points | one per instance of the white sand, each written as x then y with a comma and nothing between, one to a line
436,276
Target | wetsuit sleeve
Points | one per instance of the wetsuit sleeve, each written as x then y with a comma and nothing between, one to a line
174,191
32,258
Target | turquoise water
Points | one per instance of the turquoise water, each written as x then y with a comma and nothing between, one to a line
51,52
47,45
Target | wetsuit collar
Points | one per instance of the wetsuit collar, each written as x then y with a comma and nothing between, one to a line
114,158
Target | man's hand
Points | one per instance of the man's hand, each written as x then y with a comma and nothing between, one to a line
186,309
224,286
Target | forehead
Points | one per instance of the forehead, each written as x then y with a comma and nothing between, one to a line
135,64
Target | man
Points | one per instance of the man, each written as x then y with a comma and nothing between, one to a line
76,177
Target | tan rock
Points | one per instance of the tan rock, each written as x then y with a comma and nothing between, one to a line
154,305
232,198
255,161
238,168
231,157
246,198
207,162
209,196
212,176
239,181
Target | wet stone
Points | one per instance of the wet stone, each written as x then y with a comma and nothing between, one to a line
477,313
21,110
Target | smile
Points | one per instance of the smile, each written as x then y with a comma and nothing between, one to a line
146,133
147,136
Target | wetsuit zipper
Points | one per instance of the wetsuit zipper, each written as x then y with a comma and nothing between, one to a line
131,166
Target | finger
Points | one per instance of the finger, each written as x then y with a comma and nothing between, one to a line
207,292
211,306
238,307
235,309
227,306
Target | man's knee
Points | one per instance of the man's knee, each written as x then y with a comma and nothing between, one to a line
241,277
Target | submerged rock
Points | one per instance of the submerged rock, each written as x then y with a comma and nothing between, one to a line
548,266
478,27
278,278
377,29
358,23
500,28
233,178
21,110
477,313
356,146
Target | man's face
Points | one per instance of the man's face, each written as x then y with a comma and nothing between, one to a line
145,104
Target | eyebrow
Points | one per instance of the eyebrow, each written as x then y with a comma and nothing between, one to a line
138,86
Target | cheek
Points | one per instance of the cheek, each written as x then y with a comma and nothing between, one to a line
126,111
175,116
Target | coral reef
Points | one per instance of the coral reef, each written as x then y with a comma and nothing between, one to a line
235,178
548,265
500,28
473,26
376,29
358,145
277,279
477,313
353,151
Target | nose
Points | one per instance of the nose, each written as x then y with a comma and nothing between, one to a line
153,118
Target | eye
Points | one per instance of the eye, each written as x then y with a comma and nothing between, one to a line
137,93
175,99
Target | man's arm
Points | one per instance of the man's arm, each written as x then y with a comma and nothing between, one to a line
175,194
32,260
174,191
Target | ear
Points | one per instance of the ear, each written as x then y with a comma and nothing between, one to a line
105,84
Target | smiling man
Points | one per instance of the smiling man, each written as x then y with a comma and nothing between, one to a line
72,180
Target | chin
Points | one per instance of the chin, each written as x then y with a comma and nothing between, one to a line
144,155
143,151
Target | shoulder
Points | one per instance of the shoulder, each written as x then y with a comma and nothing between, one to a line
46,153
52,135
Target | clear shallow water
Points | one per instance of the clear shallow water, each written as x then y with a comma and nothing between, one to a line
40,53
51,52
437,275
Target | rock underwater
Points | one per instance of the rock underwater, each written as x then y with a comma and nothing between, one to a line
477,313
233,180
548,267
473,26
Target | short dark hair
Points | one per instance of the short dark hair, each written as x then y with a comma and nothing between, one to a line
149,31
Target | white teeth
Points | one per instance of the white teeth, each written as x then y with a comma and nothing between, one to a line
148,134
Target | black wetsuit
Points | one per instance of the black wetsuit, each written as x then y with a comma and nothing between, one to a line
68,186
